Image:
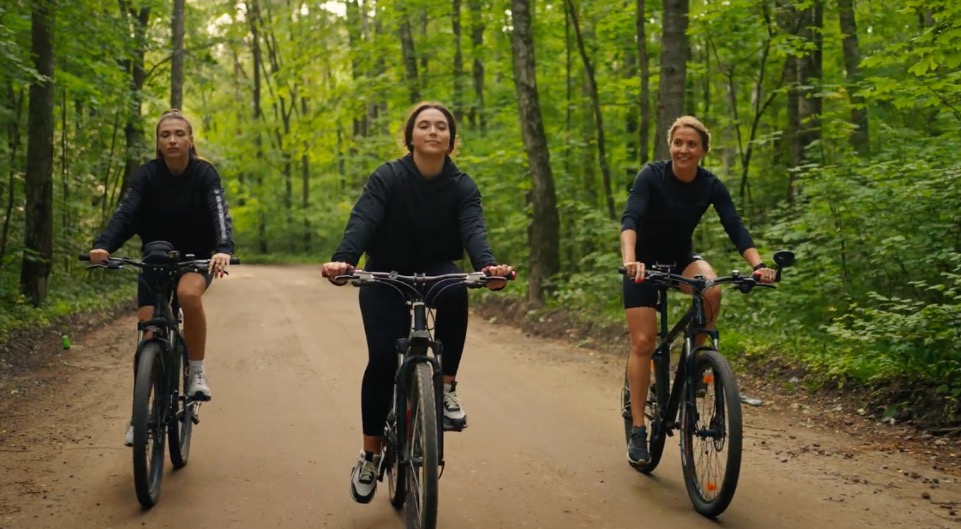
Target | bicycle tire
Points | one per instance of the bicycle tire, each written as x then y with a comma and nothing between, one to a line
703,440
182,409
422,477
148,424
393,455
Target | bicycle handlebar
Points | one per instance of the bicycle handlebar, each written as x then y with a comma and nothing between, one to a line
116,263
744,283
471,279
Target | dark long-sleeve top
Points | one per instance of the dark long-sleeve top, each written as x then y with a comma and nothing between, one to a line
664,211
404,221
187,210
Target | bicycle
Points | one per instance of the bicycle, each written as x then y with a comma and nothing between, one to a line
703,402
160,369
414,445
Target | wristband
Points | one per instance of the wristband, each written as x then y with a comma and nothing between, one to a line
759,266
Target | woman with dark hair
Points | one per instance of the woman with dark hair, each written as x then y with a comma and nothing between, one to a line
417,214
178,198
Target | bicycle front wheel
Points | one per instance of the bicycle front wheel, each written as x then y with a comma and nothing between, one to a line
422,485
182,409
150,403
711,435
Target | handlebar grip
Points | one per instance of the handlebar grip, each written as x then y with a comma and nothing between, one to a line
234,260
84,257
621,270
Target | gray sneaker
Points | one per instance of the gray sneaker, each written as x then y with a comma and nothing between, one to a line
128,437
454,417
637,453
363,477
197,388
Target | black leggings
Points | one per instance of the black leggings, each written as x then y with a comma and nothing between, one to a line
386,318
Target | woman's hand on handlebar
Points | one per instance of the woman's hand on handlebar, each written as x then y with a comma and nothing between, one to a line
765,275
505,271
634,270
98,255
219,264
334,269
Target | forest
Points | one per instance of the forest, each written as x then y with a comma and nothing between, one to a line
834,127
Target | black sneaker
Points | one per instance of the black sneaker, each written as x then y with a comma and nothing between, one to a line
637,453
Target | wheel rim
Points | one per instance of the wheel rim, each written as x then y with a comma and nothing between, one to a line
708,439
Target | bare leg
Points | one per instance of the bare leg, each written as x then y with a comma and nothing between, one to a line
190,293
642,324
372,443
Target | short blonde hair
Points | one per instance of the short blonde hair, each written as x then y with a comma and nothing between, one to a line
694,123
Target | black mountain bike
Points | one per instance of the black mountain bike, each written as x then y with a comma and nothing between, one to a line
161,407
703,402
414,433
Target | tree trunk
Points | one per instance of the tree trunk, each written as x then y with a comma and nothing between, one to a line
809,75
673,85
305,184
544,227
254,9
645,95
476,114
458,102
133,131
38,231
596,106
410,58
177,58
355,23
13,142
860,139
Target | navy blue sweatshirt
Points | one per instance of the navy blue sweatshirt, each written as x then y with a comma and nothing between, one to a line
664,212
405,222
187,210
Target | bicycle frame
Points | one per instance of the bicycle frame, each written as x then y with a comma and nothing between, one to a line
691,324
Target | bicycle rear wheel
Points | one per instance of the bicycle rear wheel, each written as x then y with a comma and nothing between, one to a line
182,408
150,403
394,454
657,397
711,435
422,485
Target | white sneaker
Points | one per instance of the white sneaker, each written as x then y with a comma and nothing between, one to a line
197,386
128,437
363,478
454,416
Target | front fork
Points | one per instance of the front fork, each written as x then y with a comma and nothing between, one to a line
410,352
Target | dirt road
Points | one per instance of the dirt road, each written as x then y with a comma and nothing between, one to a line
275,446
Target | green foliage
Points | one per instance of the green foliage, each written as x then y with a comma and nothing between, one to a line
872,298
70,294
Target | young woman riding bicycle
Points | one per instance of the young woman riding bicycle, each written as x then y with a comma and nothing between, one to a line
664,207
417,214
176,197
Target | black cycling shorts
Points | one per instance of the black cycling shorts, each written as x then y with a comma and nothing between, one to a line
644,294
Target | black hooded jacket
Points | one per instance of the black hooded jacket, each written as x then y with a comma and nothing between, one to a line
405,222
187,210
